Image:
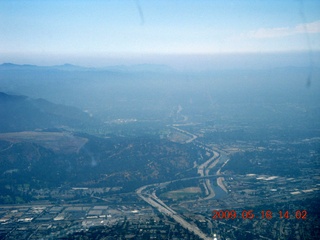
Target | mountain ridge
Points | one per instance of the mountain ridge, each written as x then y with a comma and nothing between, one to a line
72,67
21,113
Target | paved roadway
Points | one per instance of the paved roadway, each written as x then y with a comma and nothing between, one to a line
154,201
203,171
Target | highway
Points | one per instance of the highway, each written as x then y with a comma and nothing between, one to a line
154,201
148,192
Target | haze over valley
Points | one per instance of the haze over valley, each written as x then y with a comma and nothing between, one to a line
89,135
159,119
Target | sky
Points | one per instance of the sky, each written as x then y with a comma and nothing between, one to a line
185,32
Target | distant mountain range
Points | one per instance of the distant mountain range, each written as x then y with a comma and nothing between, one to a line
71,67
64,67
149,92
20,113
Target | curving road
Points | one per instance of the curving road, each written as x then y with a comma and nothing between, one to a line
148,192
154,201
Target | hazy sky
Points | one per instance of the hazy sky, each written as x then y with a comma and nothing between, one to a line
108,32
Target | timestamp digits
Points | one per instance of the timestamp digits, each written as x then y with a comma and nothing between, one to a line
263,214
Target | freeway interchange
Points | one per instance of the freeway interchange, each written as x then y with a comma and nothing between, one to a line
148,192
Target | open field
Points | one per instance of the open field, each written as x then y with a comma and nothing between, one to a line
182,193
56,141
